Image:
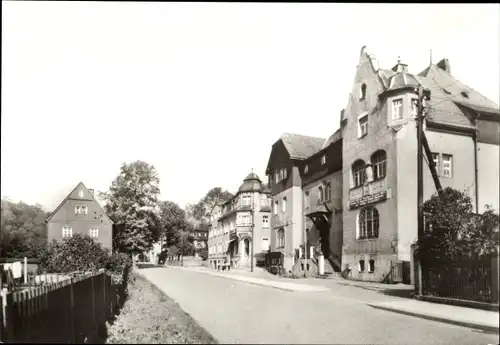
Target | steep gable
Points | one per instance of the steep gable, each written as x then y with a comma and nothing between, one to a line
80,192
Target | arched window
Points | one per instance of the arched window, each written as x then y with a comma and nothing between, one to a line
379,164
368,223
358,173
363,91
320,194
281,238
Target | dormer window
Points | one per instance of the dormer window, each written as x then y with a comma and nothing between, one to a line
80,193
363,92
323,160
464,94
281,175
306,169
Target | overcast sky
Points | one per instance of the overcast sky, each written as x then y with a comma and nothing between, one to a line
201,90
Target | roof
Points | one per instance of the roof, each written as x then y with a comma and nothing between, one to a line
301,146
251,183
68,197
333,138
446,92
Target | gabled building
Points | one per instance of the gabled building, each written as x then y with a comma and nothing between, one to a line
379,159
283,171
80,213
240,228
200,238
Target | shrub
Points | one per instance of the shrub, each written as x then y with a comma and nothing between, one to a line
203,253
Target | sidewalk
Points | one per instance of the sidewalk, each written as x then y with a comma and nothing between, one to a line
242,276
462,316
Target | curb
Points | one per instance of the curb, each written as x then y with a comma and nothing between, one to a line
482,327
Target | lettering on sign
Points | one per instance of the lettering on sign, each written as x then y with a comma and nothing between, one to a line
376,186
356,193
368,199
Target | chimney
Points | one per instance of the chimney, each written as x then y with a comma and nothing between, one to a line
91,192
400,68
444,65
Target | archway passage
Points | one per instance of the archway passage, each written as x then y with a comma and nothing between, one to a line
322,223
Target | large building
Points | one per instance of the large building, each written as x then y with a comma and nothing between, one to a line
361,183
80,213
240,228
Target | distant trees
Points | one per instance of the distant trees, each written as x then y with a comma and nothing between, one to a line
24,230
452,229
202,209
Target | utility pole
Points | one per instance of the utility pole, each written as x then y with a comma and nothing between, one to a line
423,95
253,226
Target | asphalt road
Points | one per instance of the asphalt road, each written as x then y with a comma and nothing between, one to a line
236,312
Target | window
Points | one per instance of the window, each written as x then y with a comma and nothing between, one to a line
80,193
265,244
79,209
306,200
281,174
371,266
276,177
276,207
320,194
397,109
368,223
265,221
245,219
283,205
363,92
361,265
435,158
414,107
246,200
67,231
328,191
447,165
281,238
306,169
358,173
363,126
94,232
323,160
378,162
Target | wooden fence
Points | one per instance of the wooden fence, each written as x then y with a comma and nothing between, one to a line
63,312
468,278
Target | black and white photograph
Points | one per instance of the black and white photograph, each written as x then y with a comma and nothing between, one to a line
250,173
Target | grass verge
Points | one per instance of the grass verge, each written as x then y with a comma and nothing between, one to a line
150,317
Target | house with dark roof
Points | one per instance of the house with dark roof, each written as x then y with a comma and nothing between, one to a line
379,191
240,228
80,213
285,179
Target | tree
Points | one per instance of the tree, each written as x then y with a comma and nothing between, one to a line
453,230
24,229
132,204
215,196
172,220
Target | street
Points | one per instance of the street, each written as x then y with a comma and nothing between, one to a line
237,312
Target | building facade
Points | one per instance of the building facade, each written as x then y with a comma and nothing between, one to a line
353,197
240,228
379,158
80,213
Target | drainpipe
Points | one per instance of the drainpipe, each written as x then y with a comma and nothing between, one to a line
474,137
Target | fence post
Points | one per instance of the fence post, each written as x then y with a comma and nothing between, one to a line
72,311
495,273
420,275
9,317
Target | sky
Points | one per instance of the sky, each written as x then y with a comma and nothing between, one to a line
201,90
